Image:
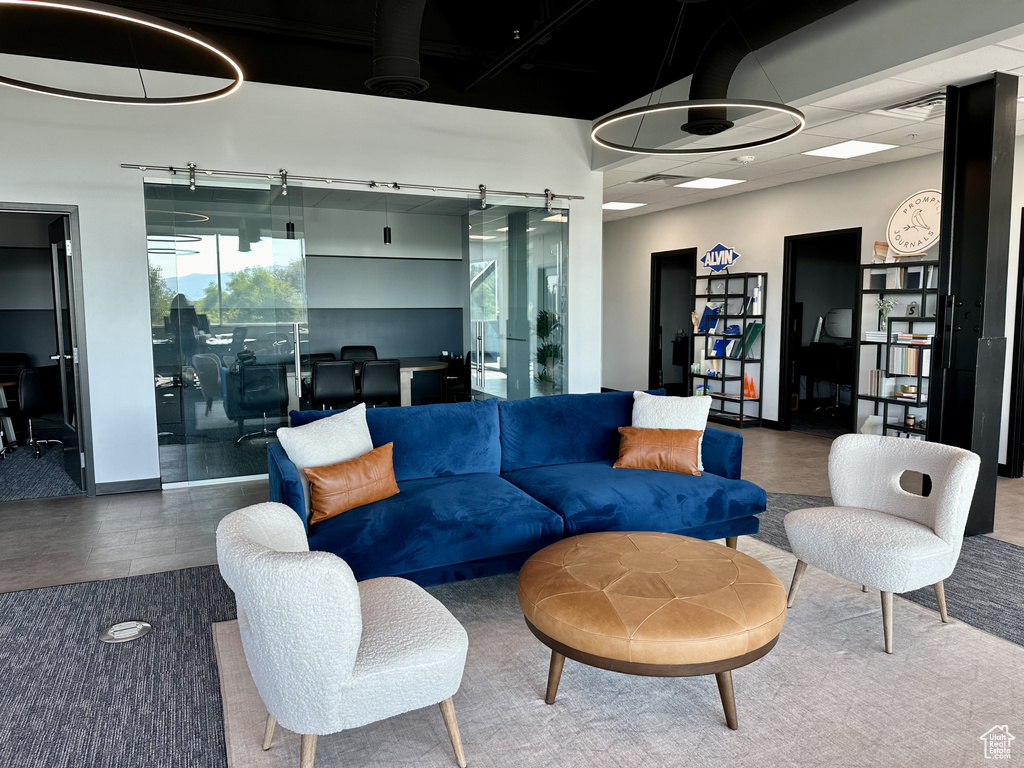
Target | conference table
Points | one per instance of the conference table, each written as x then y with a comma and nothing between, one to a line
411,365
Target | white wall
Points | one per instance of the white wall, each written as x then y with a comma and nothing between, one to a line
67,152
756,225
338,282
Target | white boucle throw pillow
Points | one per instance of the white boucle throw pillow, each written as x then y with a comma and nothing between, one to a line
663,412
341,437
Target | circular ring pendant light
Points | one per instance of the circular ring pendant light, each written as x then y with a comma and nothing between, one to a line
696,105
138,19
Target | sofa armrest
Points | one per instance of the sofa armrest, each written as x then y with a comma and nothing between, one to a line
722,452
285,485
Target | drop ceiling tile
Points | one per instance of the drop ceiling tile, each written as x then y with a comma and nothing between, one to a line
966,66
797,163
618,191
842,166
720,164
904,153
790,177
902,136
858,127
802,142
875,96
618,177
662,195
754,172
936,144
644,165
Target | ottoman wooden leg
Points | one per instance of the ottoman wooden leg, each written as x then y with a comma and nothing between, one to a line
730,541
728,698
554,675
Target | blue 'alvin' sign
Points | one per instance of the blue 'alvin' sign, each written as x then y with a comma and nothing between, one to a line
719,257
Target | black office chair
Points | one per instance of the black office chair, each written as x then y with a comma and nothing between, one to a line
456,378
333,384
358,353
262,389
381,383
238,343
39,395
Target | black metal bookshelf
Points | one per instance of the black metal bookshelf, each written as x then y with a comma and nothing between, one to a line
884,354
740,298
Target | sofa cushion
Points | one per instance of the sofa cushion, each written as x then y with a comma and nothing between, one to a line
435,522
433,440
562,429
593,496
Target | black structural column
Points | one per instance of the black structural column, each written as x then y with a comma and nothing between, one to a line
970,344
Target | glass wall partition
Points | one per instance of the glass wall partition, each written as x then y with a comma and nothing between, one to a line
227,297
518,299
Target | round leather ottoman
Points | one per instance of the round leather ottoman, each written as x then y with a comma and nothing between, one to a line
654,604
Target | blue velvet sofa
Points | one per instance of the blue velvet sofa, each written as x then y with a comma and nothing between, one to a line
484,485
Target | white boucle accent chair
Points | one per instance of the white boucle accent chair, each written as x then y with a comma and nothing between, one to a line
328,653
878,534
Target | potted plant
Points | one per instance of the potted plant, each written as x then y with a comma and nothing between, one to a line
549,351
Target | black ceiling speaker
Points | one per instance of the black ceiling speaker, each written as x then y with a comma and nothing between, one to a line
396,49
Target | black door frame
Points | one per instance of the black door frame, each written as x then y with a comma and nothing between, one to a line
654,345
1014,466
785,418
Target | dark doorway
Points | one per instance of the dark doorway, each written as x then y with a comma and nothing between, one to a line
671,342
819,317
44,454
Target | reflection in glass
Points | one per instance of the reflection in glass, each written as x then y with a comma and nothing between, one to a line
518,300
227,285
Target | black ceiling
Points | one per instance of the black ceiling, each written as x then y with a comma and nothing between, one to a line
606,54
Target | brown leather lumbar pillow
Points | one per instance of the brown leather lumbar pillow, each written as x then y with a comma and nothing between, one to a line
346,485
670,450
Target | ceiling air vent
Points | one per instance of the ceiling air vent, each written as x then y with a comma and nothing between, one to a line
919,108
663,179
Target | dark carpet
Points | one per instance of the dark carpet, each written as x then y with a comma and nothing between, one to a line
23,476
69,700
986,589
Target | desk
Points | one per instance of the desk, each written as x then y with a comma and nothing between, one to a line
408,366
7,423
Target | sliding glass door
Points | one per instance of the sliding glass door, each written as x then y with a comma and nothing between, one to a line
518,299
227,295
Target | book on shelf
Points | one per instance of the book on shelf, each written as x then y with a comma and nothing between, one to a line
908,361
914,338
879,385
709,318
756,296
881,336
718,348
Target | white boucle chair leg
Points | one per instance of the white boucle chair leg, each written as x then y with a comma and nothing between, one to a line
798,574
268,733
307,750
940,596
887,620
452,725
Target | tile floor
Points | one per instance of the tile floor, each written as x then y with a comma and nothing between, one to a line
59,541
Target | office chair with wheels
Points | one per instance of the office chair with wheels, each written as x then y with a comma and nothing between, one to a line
381,383
333,384
237,344
39,395
262,389
207,368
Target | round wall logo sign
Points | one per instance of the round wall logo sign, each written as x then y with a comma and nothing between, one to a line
914,225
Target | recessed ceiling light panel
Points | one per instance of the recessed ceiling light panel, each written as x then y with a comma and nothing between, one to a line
482,237
847,149
710,183
622,206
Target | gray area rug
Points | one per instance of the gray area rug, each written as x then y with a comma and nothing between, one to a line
827,695
986,590
22,476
